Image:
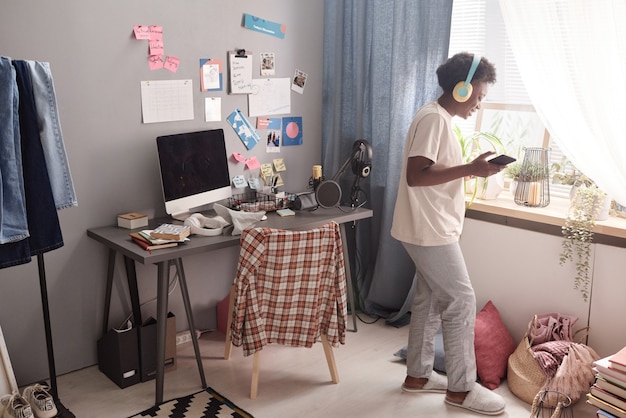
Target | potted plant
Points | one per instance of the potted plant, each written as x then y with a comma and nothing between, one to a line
512,172
472,147
577,230
530,186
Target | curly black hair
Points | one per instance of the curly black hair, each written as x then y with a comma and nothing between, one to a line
455,69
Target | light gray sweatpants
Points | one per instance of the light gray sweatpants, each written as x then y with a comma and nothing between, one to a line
443,297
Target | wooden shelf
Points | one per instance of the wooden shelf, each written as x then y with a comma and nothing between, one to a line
549,219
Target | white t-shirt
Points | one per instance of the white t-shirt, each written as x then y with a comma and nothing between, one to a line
430,215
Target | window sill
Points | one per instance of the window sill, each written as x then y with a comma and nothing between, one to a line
549,219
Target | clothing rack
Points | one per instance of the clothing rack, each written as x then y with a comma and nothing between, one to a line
62,410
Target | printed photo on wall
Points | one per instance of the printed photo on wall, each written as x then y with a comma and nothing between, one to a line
299,80
272,126
292,131
273,141
268,62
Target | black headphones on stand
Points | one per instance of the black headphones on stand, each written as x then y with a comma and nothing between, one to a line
328,192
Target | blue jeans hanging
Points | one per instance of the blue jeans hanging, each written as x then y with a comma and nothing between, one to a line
13,224
41,213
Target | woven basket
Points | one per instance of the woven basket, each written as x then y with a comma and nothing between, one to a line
524,375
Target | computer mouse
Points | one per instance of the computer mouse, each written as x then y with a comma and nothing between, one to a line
264,218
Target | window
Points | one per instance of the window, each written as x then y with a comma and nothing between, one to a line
477,26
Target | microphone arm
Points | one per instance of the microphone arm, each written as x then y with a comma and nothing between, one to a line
345,165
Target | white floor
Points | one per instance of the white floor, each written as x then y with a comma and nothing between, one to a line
294,382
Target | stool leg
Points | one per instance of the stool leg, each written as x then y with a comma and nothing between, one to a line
254,386
330,359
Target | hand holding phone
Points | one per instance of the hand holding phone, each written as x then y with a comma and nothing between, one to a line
502,160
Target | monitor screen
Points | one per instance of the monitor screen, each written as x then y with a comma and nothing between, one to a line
194,170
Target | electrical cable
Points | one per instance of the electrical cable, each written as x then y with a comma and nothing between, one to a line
173,282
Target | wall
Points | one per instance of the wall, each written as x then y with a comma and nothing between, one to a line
97,67
519,271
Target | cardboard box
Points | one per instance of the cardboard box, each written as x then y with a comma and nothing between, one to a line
118,356
222,314
147,335
132,220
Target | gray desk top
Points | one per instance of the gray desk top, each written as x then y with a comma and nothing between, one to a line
118,239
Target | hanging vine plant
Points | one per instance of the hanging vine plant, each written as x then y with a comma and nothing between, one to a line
578,234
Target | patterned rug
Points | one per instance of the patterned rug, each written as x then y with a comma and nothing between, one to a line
204,404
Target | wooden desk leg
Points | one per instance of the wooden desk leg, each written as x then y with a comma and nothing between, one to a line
346,255
162,288
109,288
192,327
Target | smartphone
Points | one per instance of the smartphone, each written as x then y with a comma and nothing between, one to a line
502,160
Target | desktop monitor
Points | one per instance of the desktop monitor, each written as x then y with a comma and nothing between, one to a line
194,171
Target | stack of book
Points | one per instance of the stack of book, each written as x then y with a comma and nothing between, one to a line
148,242
609,390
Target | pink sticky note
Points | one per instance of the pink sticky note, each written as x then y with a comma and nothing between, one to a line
238,157
141,32
171,63
156,33
252,163
156,62
156,47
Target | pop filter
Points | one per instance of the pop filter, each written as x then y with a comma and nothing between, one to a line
328,192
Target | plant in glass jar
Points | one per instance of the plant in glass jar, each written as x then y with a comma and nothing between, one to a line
578,233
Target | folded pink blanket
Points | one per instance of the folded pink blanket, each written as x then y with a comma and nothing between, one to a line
550,355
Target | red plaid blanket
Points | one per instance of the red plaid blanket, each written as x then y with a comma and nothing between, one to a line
290,288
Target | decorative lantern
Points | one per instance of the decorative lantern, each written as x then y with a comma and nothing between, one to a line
533,187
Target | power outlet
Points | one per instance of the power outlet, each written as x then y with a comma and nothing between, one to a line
183,337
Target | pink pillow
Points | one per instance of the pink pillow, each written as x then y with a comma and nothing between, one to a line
493,345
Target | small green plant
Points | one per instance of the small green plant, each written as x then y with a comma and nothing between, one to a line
472,147
513,170
564,172
578,234
533,171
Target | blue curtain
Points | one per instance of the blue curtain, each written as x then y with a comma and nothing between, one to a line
380,58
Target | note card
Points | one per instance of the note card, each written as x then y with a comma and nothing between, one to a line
166,100
210,74
270,96
240,66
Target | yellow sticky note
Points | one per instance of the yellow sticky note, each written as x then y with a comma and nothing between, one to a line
267,170
279,164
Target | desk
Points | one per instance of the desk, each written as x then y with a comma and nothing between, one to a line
117,240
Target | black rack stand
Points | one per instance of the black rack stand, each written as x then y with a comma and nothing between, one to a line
62,411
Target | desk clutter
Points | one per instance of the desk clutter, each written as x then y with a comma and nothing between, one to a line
257,202
146,240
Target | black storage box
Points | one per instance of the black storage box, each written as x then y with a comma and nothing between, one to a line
147,334
118,356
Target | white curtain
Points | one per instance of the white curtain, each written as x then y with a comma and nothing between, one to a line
572,59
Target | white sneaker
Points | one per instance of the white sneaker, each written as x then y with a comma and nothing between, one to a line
15,406
4,401
40,401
